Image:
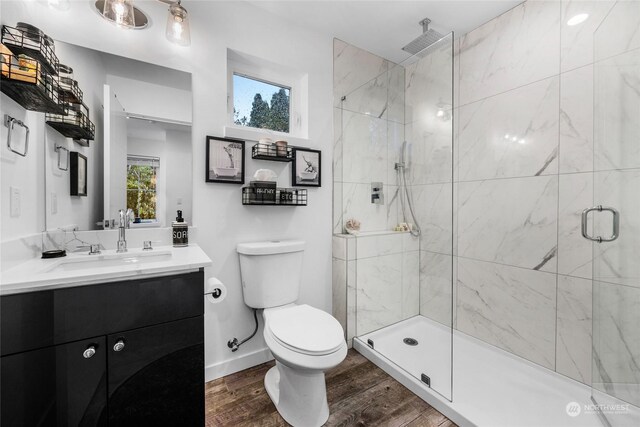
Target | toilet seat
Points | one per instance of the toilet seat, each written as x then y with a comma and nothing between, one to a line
306,330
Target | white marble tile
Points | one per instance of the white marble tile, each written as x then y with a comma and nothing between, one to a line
436,287
364,148
512,308
339,291
378,244
617,106
429,83
574,251
410,242
353,67
371,98
338,227
512,134
339,247
395,138
433,205
410,284
518,47
577,40
338,165
395,94
509,221
616,339
378,292
576,120
429,150
573,353
351,299
373,217
619,31
617,262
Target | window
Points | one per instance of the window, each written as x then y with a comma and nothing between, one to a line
259,104
142,178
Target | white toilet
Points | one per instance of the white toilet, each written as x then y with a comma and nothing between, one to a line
305,341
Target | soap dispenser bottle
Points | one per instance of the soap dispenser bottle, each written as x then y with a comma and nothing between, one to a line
180,231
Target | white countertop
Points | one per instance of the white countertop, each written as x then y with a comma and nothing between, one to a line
40,274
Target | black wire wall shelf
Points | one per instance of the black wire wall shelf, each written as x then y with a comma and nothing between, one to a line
279,196
32,43
262,151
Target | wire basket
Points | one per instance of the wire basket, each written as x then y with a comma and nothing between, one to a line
283,197
264,151
75,124
33,43
27,82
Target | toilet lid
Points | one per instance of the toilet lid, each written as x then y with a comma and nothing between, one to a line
306,330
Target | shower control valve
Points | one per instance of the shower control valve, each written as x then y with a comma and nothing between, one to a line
377,194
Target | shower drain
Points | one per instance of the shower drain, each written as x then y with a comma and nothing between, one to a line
410,341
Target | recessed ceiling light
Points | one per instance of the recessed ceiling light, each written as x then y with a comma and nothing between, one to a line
577,19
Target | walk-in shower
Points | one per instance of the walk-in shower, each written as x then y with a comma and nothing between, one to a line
495,310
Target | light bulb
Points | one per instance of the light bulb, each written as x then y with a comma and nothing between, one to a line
178,25
120,12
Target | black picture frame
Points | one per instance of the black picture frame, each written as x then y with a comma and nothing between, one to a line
218,167
78,173
301,176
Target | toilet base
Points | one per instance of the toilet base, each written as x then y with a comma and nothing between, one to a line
300,396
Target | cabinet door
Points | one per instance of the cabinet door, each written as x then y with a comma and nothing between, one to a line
61,386
156,375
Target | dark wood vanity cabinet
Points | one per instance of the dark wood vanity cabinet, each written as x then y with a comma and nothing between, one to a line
127,353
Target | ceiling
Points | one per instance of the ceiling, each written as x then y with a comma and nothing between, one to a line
383,27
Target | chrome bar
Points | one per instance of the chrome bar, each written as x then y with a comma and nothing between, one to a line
616,224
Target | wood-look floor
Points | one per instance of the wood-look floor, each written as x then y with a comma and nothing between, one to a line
359,394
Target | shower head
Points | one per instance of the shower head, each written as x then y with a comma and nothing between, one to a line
426,39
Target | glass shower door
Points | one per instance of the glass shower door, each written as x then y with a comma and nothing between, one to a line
615,220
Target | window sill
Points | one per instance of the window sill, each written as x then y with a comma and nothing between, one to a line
252,134
154,224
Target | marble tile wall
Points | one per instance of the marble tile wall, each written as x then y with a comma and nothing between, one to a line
531,150
525,169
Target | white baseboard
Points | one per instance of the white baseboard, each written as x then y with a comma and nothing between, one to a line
230,366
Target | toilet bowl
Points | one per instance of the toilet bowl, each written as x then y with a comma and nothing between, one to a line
305,342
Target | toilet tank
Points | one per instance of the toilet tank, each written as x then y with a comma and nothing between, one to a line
271,272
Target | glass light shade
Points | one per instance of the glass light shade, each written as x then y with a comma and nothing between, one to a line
178,25
120,12
59,4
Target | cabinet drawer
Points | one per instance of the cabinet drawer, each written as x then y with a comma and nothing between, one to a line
45,318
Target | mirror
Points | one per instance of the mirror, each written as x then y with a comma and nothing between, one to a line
140,157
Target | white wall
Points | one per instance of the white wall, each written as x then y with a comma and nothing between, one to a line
222,220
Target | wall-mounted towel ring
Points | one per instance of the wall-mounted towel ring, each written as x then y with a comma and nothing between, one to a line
9,122
58,149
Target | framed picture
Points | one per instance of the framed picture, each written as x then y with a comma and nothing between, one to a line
306,168
225,160
78,173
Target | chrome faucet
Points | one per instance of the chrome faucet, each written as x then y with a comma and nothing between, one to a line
125,218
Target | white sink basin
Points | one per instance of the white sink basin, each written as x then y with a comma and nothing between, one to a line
126,259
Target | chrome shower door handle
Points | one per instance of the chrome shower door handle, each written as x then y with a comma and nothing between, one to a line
616,224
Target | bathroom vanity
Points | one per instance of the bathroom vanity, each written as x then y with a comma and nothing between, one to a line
94,351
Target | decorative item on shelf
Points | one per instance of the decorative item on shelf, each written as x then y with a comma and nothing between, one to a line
266,150
265,175
306,167
282,196
27,82
352,226
281,148
69,89
403,226
225,160
78,174
75,124
263,191
25,39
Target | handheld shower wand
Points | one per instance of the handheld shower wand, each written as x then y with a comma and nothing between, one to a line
405,193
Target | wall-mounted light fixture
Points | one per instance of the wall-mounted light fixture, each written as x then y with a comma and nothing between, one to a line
125,15
178,24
